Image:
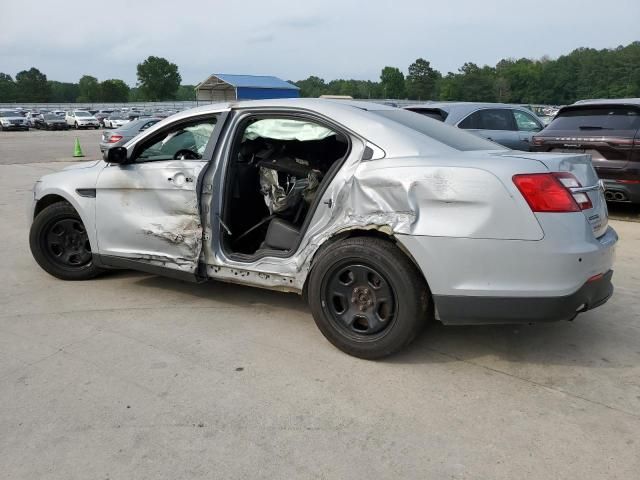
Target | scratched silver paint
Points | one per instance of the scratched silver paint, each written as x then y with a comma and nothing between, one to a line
441,205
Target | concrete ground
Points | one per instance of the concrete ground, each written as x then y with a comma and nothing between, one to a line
37,146
132,376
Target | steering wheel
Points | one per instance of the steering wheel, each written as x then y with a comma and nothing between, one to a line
186,154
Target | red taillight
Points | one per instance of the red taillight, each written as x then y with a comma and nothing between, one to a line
115,138
537,140
544,192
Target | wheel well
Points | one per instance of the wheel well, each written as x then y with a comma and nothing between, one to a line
47,200
362,232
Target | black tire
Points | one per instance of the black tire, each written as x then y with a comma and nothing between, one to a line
77,126
389,298
70,258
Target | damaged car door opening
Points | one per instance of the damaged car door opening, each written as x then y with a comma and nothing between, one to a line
383,218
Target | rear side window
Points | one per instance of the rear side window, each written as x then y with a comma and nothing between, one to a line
596,119
434,113
451,136
489,119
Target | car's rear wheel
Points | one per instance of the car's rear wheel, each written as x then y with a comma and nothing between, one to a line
367,297
60,244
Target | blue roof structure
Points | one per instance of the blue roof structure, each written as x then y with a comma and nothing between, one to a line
222,87
255,81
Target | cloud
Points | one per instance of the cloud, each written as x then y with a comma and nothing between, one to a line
332,39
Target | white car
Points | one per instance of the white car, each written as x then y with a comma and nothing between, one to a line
31,118
115,121
81,119
12,120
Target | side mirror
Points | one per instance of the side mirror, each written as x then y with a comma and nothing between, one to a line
116,155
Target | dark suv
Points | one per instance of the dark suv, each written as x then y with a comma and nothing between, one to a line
609,130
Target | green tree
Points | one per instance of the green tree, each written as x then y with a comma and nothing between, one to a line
312,87
186,92
114,90
392,80
32,86
63,92
422,80
89,89
7,88
158,79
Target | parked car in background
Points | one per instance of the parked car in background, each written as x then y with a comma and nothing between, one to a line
607,130
100,116
31,118
120,136
508,125
50,121
81,119
115,120
12,120
381,217
135,114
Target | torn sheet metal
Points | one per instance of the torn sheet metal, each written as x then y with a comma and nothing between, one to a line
150,213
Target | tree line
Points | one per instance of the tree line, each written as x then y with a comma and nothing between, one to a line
583,73
158,79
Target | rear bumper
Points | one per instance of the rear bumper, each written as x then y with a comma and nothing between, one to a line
465,310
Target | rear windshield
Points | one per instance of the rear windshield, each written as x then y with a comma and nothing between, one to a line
597,119
451,136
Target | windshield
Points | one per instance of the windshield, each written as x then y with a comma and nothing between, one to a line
50,116
10,114
440,132
82,114
597,119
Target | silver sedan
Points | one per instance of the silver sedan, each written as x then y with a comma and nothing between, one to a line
382,218
509,125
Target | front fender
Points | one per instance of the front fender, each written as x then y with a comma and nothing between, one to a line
65,185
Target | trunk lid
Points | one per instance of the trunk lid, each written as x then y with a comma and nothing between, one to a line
580,166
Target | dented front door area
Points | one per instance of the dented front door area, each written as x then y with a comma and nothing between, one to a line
149,212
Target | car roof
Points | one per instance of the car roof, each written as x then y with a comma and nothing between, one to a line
386,134
608,101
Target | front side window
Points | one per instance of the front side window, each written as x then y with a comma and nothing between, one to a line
187,141
525,122
489,119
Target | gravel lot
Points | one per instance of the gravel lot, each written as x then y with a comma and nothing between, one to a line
132,376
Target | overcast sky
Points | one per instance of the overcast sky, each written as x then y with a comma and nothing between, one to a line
294,39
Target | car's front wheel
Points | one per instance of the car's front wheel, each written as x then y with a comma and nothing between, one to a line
60,244
367,297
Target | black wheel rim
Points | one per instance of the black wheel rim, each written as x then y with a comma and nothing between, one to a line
359,300
66,243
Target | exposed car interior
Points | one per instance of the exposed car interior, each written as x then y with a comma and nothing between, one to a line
277,167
